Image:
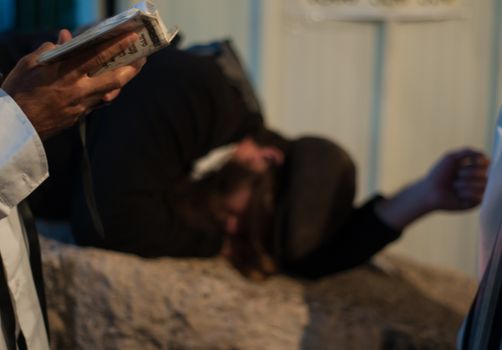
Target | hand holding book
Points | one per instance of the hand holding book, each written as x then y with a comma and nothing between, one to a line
54,96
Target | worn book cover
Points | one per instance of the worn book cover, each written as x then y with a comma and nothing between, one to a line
142,18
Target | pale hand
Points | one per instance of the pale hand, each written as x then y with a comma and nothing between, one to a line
457,181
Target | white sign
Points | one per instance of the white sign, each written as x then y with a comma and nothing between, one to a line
380,10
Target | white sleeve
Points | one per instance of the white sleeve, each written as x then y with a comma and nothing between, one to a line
23,165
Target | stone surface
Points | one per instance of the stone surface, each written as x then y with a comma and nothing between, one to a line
106,300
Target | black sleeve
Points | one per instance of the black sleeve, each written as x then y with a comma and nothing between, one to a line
356,242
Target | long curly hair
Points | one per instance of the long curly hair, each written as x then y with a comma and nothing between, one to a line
198,203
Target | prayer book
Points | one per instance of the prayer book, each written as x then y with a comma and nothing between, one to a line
143,19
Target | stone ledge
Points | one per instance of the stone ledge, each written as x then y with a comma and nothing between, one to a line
107,300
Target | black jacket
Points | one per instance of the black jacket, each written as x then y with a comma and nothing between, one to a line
177,109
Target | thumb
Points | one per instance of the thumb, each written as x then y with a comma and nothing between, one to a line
64,36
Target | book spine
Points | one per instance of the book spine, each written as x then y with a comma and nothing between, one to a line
152,32
150,40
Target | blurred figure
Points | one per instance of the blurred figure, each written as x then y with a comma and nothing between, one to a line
270,204
143,146
299,217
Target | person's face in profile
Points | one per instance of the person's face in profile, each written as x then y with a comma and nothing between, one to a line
233,205
231,208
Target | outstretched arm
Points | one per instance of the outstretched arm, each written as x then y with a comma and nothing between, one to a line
456,182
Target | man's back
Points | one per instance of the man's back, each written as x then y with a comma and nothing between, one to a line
180,107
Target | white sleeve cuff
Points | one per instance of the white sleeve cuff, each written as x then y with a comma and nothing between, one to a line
23,164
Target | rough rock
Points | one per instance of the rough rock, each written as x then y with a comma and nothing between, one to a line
107,300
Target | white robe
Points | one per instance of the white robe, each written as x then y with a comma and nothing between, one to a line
491,214
491,208
23,167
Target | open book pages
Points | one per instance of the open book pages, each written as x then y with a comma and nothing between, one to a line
143,18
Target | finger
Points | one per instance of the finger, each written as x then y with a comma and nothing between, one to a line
471,197
110,96
138,64
472,173
457,155
469,157
460,186
64,36
96,58
470,201
278,156
126,73
471,194
474,161
468,204
273,156
94,102
112,80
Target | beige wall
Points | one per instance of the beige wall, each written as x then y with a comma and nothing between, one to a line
206,20
396,95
